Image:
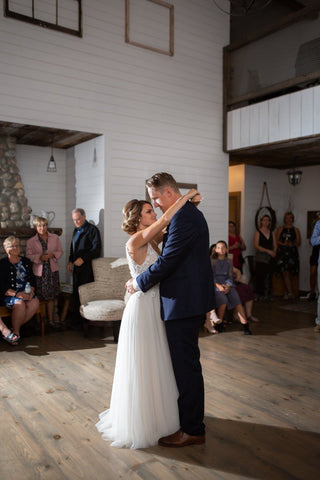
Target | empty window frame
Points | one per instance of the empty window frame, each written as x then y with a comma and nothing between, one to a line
62,15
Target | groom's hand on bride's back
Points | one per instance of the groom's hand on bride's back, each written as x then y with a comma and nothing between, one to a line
129,286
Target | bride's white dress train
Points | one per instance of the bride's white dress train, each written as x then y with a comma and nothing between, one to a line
144,396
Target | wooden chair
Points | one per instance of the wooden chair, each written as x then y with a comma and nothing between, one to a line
40,315
102,301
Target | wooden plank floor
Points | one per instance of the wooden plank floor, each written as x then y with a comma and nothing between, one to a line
262,407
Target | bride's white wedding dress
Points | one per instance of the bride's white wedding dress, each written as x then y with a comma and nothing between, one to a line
144,395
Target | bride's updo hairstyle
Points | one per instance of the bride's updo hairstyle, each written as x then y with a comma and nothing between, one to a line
131,215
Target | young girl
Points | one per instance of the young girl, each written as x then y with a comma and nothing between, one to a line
226,293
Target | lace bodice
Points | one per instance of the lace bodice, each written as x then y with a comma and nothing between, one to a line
136,269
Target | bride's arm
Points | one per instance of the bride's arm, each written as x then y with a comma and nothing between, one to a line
159,237
142,237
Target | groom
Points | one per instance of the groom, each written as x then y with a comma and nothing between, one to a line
186,289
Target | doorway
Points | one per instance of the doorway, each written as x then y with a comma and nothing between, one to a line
235,208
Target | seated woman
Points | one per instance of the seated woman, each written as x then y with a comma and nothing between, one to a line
226,293
44,250
8,334
288,239
246,295
15,275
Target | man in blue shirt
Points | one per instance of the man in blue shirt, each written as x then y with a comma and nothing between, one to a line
315,240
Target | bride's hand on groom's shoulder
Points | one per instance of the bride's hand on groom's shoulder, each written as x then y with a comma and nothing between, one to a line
194,196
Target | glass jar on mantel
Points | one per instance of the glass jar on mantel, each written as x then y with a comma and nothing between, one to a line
23,233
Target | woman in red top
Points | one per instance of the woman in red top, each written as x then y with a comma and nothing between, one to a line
236,246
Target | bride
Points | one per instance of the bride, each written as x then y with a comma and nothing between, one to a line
144,395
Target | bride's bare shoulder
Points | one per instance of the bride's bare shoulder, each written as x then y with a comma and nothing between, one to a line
134,248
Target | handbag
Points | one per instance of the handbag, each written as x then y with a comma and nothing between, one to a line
263,257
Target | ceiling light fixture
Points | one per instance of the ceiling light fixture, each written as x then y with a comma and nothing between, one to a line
294,176
52,167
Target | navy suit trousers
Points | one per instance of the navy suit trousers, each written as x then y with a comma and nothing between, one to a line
183,337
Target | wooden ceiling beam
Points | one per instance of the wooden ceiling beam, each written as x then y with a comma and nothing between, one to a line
45,136
293,4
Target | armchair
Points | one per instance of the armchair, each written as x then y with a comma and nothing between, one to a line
102,301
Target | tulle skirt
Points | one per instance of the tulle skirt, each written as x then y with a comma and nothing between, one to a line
144,396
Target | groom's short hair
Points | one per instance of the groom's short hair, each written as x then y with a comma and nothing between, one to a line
159,181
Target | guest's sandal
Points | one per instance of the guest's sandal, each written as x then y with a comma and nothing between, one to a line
11,338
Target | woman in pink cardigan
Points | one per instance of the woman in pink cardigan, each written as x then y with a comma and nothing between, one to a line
44,250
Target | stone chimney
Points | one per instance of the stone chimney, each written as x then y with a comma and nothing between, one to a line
14,209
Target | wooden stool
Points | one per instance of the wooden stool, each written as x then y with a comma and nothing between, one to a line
40,315
67,304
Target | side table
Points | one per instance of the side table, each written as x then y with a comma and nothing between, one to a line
66,298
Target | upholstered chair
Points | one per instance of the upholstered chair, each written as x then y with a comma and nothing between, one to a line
103,301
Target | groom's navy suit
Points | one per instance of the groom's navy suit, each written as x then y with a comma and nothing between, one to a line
187,293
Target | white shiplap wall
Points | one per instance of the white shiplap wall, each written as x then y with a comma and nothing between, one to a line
70,196
89,174
155,112
282,118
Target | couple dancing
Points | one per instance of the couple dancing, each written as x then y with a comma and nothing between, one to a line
158,392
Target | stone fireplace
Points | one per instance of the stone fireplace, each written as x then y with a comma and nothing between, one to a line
14,209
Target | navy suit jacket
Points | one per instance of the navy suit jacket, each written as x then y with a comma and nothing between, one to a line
183,269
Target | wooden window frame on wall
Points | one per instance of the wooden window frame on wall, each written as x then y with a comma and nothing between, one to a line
42,23
171,29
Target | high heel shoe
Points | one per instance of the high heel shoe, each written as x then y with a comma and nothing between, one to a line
214,318
246,329
209,325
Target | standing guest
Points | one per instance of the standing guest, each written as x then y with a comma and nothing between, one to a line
312,295
288,239
186,293
264,242
236,246
85,246
315,240
17,285
313,272
44,250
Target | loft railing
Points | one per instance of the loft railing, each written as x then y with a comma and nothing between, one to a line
283,58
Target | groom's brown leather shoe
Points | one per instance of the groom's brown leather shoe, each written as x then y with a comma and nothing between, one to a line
181,439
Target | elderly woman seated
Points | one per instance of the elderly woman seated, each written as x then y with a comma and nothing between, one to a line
8,334
17,284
